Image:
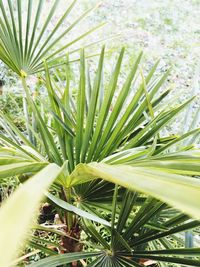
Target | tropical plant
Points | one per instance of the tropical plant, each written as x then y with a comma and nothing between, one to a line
123,193
23,47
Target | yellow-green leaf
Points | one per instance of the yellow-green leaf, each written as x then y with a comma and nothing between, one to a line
17,214
179,191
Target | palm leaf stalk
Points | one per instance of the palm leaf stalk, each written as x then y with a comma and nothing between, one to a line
120,182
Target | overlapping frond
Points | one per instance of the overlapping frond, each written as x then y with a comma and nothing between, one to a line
122,175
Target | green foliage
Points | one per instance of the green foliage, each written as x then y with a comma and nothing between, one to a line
120,181
13,106
22,47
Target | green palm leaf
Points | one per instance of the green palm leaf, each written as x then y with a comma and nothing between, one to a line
66,258
23,50
178,188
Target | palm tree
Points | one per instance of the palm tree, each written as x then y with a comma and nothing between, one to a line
123,192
